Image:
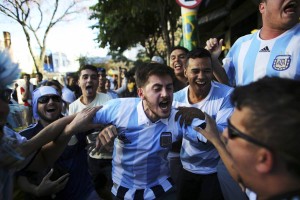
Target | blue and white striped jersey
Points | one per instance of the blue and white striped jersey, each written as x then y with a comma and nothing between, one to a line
203,158
139,158
251,58
8,143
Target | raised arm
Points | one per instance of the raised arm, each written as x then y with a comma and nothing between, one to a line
59,134
215,48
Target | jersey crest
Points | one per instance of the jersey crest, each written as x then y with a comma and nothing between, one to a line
281,62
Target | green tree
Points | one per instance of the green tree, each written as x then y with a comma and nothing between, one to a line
127,23
37,18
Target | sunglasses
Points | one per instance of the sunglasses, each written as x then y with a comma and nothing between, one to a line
5,95
233,132
46,99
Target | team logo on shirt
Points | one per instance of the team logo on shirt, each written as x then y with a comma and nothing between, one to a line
165,139
281,62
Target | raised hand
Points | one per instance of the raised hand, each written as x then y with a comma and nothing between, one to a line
83,120
210,132
214,47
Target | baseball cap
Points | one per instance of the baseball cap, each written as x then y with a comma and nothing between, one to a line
157,59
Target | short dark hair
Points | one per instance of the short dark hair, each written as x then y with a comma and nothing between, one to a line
198,53
101,69
40,74
53,82
275,116
179,47
143,72
28,75
90,67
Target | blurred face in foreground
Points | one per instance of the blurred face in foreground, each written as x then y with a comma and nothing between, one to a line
245,159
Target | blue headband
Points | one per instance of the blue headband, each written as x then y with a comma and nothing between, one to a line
37,93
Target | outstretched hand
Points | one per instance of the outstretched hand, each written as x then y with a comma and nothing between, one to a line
83,120
186,115
210,132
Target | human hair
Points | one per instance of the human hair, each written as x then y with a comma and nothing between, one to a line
54,83
143,72
179,47
275,116
101,69
27,75
39,74
90,67
198,53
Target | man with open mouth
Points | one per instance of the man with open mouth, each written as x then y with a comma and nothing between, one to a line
16,151
71,168
272,51
146,128
199,177
100,164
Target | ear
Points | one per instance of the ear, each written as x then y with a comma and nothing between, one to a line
261,7
185,72
140,92
265,161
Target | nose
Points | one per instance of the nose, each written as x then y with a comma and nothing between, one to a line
50,100
200,74
164,92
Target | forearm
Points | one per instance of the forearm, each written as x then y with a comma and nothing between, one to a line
51,151
49,133
219,71
226,158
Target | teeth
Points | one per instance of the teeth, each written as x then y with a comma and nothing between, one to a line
200,82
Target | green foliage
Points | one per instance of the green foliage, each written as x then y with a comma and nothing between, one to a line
124,24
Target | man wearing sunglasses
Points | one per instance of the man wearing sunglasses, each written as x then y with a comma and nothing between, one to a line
261,147
71,167
15,151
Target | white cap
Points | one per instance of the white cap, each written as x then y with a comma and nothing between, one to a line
157,59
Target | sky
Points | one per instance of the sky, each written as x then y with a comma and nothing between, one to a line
74,38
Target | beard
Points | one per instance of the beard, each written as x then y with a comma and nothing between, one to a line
152,111
47,119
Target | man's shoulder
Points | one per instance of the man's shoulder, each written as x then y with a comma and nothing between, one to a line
103,96
181,94
31,130
220,90
246,38
75,103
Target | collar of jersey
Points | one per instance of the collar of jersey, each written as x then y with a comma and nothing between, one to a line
143,119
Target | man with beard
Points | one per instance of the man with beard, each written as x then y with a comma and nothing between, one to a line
99,164
71,167
15,151
261,147
198,178
146,128
272,51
